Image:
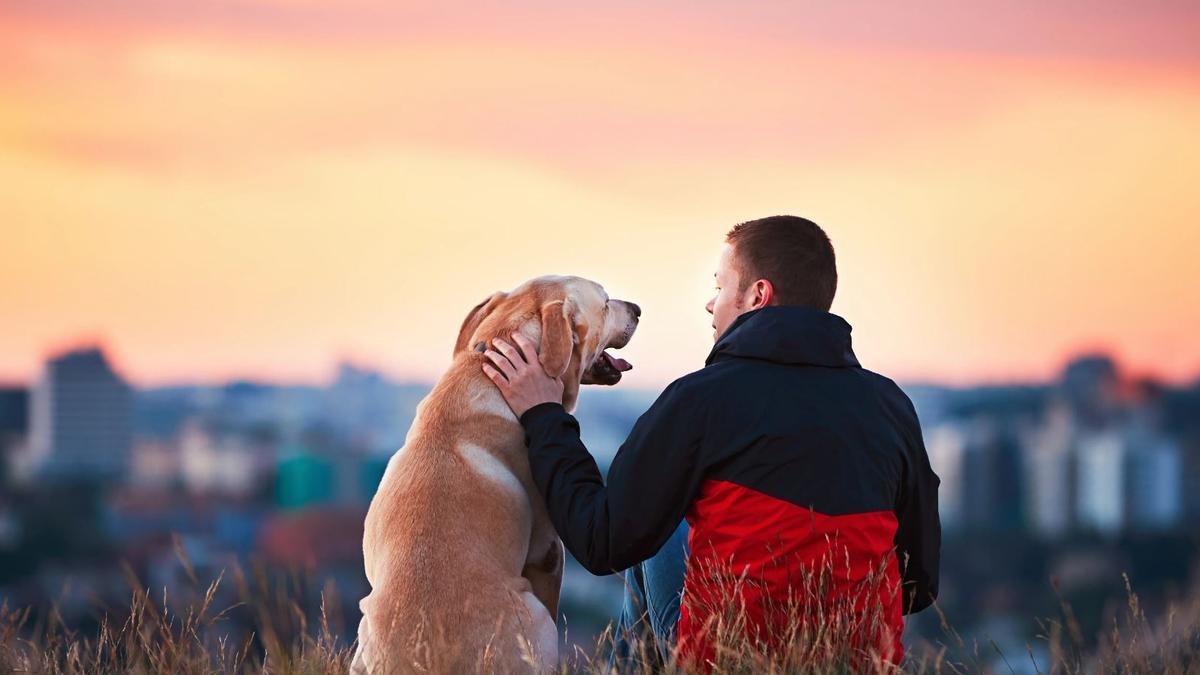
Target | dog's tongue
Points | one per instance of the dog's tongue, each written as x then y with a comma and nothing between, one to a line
621,365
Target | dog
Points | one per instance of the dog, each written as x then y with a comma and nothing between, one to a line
463,562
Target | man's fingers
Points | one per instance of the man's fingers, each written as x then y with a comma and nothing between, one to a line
495,375
502,363
514,355
528,348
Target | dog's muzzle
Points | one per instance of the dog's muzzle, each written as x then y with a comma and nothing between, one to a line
607,369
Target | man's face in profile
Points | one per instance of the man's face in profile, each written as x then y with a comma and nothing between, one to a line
728,303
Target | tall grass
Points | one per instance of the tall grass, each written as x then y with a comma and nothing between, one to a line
238,622
244,623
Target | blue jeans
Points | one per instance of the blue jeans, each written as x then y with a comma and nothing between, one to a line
650,613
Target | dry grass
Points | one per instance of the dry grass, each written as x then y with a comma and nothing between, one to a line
237,623
195,635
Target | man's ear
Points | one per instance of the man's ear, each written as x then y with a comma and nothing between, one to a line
762,293
474,318
558,336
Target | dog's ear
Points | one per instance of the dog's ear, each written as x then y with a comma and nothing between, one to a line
474,318
558,336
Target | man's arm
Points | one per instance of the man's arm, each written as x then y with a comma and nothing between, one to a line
919,535
652,481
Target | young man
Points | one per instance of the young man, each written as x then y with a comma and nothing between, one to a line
802,476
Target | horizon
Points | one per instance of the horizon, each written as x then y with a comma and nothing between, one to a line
335,366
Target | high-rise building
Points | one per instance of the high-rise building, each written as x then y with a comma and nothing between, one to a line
1101,491
991,493
80,419
1156,468
1154,475
1091,387
14,421
14,405
945,444
1050,473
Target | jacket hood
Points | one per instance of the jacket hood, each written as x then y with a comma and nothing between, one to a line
787,334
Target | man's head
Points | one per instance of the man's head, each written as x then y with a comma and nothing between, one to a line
781,260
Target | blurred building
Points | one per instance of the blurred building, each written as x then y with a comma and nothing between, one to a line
304,479
1100,496
945,444
14,411
14,424
991,479
323,537
80,419
1096,452
312,475
1050,479
154,464
1154,482
222,463
1104,460
365,409
1190,475
1156,462
1091,388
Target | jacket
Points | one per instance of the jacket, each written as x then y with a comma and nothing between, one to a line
802,475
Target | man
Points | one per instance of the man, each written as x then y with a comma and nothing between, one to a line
802,476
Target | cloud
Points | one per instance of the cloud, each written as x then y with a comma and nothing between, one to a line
1163,32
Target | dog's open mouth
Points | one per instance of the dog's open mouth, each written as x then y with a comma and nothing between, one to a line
606,369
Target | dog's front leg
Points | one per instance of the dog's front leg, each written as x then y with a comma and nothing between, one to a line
544,570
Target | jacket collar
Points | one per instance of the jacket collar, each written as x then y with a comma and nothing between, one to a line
787,334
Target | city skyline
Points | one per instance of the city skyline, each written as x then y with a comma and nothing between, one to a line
1083,478
336,364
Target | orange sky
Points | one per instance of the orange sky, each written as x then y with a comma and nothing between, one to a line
257,188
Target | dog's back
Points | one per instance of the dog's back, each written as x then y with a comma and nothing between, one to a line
445,541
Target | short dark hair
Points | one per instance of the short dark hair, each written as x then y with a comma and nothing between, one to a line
793,253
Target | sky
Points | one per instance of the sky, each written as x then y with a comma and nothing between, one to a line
261,188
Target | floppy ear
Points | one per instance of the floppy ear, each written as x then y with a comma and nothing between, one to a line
476,317
558,337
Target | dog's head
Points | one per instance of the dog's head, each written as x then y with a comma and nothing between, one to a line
573,321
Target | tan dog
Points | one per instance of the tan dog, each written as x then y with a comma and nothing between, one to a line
463,561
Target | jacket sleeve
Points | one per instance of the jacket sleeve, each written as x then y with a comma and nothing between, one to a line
919,534
651,483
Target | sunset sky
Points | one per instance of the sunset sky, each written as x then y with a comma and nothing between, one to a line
259,188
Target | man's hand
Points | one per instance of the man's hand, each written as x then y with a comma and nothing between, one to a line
521,380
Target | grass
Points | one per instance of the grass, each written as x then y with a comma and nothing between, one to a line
244,623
